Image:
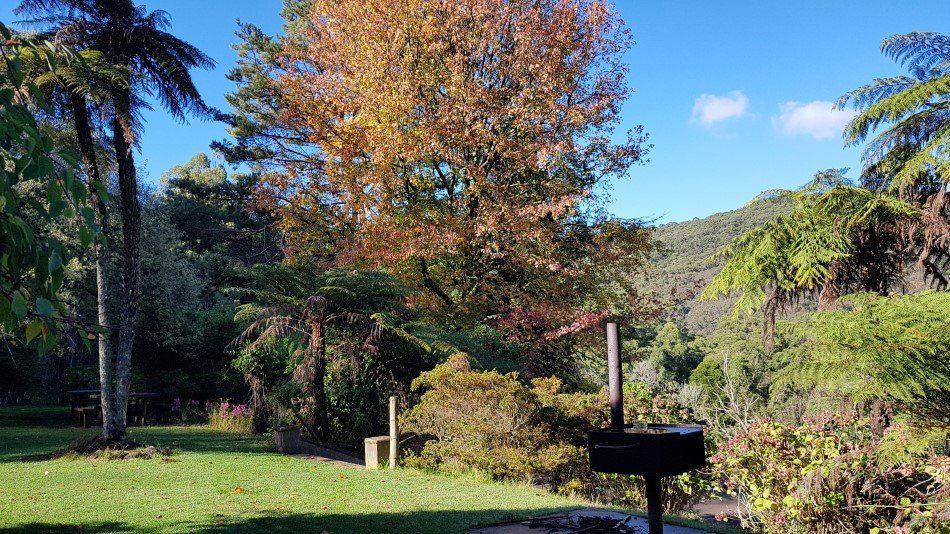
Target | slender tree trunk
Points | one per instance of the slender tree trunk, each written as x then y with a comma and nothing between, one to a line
431,285
321,415
91,167
260,413
131,233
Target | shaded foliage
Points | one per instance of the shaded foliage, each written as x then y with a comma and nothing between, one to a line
333,319
896,349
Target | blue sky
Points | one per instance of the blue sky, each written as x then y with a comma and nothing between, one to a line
733,94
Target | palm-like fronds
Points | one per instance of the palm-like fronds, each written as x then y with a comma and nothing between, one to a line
913,111
157,63
922,51
809,249
896,348
308,307
86,74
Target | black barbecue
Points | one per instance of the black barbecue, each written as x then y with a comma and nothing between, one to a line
652,451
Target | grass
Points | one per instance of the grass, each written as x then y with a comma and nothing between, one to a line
218,481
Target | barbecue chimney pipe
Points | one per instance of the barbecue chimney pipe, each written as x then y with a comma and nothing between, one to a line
615,387
614,383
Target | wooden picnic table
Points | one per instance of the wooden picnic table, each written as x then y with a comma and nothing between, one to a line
83,406
139,402
86,405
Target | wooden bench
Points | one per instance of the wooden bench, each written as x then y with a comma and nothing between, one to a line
87,414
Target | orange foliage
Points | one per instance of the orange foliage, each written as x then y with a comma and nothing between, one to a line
459,142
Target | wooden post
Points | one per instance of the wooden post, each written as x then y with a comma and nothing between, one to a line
393,434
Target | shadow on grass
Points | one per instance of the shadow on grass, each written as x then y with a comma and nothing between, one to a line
200,439
25,444
34,433
36,416
85,528
33,444
427,521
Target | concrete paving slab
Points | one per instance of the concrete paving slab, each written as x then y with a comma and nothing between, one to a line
313,451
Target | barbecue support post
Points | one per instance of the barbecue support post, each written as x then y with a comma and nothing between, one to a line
393,434
654,505
613,377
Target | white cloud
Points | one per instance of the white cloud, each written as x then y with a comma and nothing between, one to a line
710,109
818,119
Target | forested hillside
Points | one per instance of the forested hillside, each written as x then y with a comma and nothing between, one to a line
685,264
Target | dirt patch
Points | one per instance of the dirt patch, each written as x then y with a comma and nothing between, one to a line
98,449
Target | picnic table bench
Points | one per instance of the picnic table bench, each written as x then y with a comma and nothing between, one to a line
87,407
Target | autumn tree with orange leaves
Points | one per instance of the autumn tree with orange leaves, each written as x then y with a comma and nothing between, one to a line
459,144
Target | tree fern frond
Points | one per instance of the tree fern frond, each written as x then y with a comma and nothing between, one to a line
910,133
793,252
880,88
933,156
896,107
919,50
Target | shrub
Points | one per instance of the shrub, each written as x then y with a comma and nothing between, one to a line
230,417
853,491
827,476
190,411
531,432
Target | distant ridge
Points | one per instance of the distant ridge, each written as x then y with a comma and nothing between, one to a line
686,265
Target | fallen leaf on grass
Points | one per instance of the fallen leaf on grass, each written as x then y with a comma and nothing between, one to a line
239,489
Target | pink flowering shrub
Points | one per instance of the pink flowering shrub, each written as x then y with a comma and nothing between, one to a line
230,417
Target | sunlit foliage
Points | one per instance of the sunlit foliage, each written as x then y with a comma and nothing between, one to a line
839,238
33,265
457,145
892,348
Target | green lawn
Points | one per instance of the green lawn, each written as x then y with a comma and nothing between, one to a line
220,482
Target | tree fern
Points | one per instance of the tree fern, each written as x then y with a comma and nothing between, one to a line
795,253
914,112
894,348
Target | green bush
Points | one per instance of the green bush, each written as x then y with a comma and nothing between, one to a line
854,491
533,432
829,476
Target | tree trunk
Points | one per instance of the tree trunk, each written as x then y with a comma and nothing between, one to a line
431,285
106,363
310,375
131,233
880,415
321,415
260,413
